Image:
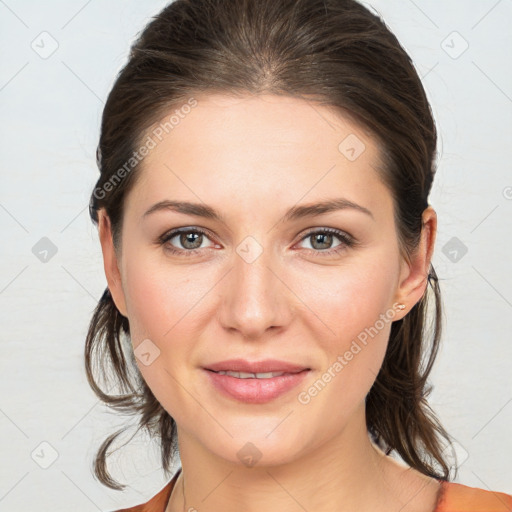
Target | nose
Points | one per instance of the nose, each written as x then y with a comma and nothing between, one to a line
254,297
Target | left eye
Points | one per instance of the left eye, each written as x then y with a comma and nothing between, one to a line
321,240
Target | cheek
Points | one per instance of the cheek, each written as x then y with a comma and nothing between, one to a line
166,305
160,303
162,299
353,306
349,299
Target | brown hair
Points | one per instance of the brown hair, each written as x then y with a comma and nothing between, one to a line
343,56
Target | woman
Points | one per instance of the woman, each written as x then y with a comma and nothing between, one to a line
267,241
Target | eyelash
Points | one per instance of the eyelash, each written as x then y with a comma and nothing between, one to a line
346,241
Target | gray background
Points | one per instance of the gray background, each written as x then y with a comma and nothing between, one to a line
58,61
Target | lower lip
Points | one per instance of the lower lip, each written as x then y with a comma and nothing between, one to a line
256,391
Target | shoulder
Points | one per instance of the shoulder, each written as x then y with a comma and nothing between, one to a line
157,503
462,498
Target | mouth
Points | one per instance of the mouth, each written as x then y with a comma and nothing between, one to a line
257,375
257,387
255,369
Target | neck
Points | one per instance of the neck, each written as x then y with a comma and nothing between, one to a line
346,473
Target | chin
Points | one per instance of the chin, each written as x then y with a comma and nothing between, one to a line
258,445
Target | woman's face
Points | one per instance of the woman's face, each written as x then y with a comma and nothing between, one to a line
261,282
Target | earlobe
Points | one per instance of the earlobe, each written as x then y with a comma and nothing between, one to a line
110,262
414,276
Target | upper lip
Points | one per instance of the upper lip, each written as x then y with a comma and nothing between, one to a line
263,366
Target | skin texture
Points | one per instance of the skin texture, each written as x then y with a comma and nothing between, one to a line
252,158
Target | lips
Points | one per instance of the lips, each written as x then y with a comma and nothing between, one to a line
263,366
259,390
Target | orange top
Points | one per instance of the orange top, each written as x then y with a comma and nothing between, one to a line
452,498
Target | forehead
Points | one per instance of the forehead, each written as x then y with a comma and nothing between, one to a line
266,121
228,149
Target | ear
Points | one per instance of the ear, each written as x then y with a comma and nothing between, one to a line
110,262
414,274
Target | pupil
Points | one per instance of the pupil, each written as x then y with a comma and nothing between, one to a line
187,238
322,238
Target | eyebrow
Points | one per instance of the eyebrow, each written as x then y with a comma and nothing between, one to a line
293,214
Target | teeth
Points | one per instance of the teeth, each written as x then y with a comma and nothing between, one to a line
245,375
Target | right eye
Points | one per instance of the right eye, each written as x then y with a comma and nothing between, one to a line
190,240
